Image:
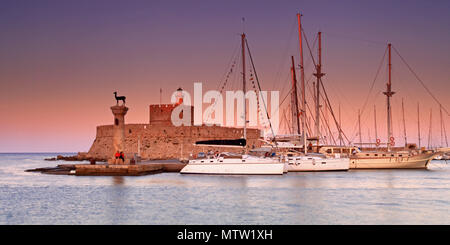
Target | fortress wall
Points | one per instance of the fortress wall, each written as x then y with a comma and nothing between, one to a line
161,140
161,114
103,143
167,141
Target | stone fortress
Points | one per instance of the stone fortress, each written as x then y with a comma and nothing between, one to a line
160,139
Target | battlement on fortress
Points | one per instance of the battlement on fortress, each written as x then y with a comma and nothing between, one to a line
161,114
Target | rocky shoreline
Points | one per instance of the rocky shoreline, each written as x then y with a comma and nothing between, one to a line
63,169
81,156
100,166
150,167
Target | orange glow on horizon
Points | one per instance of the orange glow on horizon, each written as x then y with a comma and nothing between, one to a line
58,70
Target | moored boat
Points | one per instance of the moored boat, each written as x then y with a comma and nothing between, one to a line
316,162
391,160
227,163
297,158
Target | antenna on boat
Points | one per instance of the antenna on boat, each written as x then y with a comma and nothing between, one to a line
375,121
359,127
404,124
429,130
418,123
389,94
302,80
340,123
442,126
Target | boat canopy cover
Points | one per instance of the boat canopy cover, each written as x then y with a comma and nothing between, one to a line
233,142
319,155
230,154
262,149
445,150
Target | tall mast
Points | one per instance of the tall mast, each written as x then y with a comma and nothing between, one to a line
243,84
404,124
319,75
418,123
429,130
295,122
286,122
442,126
389,94
375,121
302,81
359,127
326,124
340,125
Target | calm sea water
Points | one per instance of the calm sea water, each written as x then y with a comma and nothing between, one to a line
354,197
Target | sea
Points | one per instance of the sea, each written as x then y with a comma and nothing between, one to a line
355,197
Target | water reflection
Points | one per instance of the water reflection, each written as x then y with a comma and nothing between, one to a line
118,180
353,197
118,194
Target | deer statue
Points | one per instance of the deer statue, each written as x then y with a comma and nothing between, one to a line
122,98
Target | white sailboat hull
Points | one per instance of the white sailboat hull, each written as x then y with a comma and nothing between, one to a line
234,166
315,164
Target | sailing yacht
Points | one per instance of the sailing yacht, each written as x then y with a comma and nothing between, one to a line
412,159
229,163
316,162
444,154
389,158
295,160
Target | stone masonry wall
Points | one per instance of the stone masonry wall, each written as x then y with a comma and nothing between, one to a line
161,114
167,141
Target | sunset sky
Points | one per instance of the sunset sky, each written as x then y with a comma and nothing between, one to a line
61,61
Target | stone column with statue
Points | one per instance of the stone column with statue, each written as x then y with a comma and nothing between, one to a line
119,112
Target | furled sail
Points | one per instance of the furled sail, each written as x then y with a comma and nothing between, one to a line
231,142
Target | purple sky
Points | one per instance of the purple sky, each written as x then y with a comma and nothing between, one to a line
60,61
